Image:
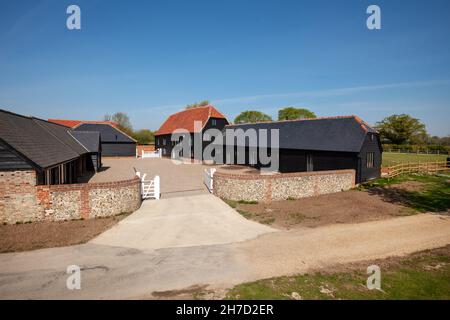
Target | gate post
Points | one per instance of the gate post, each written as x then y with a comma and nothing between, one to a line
156,182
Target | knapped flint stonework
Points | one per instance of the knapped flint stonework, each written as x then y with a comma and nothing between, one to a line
281,186
110,201
65,205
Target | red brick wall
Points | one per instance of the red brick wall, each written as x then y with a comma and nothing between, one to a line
18,201
22,201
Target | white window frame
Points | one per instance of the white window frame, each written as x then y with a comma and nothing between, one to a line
370,160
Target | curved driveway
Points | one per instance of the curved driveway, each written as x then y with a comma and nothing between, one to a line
119,272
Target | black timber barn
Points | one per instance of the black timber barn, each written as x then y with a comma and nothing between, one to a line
319,145
56,153
114,142
208,117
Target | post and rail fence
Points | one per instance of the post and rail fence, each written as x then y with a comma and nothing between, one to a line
428,167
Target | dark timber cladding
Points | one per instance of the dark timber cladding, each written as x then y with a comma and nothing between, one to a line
114,142
322,144
51,150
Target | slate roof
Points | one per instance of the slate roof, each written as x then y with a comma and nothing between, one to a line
107,132
89,140
340,134
185,119
41,143
61,132
74,123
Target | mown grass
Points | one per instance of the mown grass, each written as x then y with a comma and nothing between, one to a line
421,277
433,197
390,159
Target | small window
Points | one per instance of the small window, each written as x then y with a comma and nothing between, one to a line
164,142
370,160
371,137
309,163
214,122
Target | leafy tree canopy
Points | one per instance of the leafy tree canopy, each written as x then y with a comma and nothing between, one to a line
144,136
122,120
293,113
251,116
401,129
198,104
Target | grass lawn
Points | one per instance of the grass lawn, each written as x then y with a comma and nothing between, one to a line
390,159
425,275
423,193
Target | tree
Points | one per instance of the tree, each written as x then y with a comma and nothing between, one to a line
252,117
144,136
198,104
400,129
122,120
293,113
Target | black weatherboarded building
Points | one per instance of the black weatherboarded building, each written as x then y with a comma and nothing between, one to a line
57,154
319,144
114,142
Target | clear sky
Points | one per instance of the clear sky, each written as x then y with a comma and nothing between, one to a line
150,58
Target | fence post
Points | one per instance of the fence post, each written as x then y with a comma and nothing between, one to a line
156,184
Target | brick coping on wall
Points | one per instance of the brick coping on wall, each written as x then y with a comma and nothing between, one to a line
279,175
96,185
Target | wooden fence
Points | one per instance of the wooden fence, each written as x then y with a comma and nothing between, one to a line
429,167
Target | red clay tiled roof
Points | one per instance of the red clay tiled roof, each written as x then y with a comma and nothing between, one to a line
75,123
185,119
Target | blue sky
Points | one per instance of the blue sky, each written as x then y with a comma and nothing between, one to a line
150,58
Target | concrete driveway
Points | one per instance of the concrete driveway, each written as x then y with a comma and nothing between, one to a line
198,220
176,180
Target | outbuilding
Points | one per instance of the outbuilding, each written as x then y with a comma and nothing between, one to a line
194,122
321,144
48,153
114,142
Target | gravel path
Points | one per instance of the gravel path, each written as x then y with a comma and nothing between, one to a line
299,250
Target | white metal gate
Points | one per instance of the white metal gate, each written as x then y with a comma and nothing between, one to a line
208,177
150,189
151,154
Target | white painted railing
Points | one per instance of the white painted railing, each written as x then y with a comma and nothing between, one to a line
151,154
208,177
150,189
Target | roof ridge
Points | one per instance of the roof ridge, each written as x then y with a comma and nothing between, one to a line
190,109
15,114
54,135
303,119
198,112
70,133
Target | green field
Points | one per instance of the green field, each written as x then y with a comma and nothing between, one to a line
421,276
390,159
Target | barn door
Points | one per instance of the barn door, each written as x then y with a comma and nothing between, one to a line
309,163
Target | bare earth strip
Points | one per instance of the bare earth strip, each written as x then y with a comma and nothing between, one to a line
114,272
